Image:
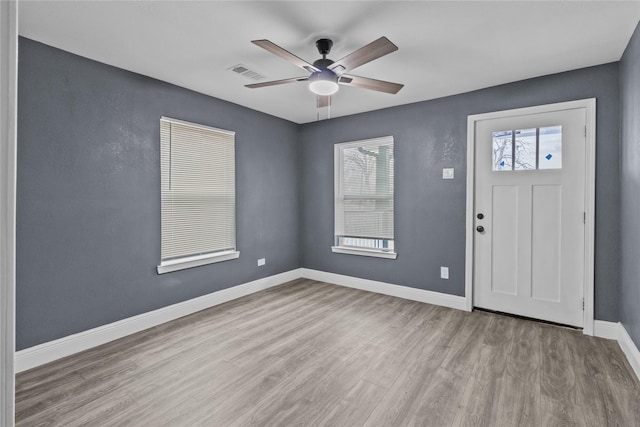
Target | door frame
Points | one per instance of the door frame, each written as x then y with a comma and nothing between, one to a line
590,180
8,143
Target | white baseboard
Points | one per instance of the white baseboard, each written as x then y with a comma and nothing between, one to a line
57,349
630,349
608,330
421,295
617,331
53,350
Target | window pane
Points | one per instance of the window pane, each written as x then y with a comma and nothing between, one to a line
359,242
364,177
525,149
534,148
502,150
368,191
550,148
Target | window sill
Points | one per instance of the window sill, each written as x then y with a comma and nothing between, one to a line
196,261
364,252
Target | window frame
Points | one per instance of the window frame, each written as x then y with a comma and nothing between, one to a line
338,199
195,260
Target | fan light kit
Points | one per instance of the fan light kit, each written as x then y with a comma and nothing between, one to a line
324,83
327,75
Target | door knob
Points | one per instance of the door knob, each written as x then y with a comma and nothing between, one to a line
480,229
480,216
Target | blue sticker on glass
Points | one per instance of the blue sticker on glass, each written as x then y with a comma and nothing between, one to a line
502,163
548,156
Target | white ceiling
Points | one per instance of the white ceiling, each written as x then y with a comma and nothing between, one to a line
445,47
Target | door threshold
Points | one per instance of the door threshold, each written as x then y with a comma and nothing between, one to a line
517,316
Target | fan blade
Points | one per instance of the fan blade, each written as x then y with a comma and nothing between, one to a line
323,101
368,53
373,84
276,82
277,50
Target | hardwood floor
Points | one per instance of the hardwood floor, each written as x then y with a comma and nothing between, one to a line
310,353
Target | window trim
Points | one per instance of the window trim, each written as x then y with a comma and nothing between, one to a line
378,253
338,166
196,261
197,125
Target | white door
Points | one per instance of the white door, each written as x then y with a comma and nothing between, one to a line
529,243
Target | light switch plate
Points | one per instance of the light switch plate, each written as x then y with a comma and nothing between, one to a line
261,262
447,173
444,272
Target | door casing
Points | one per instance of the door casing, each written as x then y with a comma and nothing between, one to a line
8,146
590,106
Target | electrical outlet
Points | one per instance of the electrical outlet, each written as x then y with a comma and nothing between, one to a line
444,272
261,262
447,173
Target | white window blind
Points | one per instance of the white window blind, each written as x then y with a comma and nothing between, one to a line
197,190
364,211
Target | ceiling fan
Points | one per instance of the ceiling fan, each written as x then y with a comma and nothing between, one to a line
327,75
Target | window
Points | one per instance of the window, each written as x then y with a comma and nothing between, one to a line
535,148
364,198
197,195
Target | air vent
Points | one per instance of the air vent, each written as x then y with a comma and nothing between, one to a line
245,71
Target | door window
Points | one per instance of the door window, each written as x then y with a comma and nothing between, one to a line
527,149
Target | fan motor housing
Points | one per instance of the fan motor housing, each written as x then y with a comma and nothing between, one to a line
322,63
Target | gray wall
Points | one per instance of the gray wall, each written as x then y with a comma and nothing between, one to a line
430,212
88,229
630,184
88,189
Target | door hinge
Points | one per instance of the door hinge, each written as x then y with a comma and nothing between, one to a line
584,217
582,304
585,131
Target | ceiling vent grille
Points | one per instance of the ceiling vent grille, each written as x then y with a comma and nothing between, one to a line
245,71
